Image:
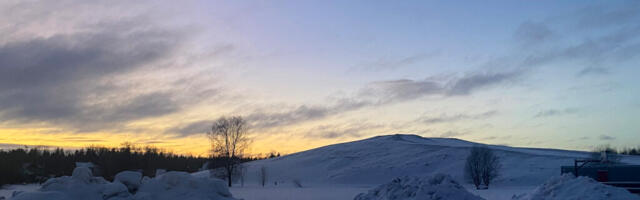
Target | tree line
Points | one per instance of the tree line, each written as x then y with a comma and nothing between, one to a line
32,165
623,151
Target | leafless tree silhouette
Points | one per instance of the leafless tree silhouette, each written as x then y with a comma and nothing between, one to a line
229,139
482,166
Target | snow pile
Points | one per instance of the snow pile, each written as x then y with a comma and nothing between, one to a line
130,179
160,172
439,186
128,185
181,185
80,185
568,187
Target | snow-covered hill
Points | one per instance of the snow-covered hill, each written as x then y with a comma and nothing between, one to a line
379,159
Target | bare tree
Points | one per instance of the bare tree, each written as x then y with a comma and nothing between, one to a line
482,166
491,165
229,138
263,175
472,168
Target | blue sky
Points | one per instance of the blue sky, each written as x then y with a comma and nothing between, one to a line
310,73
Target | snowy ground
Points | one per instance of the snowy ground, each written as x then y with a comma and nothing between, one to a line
348,192
293,193
8,190
500,192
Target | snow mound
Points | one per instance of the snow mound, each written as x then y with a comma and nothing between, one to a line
568,187
130,179
182,185
82,174
439,187
172,185
160,172
115,190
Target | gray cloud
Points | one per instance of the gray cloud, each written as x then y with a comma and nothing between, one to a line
350,130
404,89
597,50
378,94
583,138
449,134
533,33
138,107
303,113
556,112
391,64
601,16
67,78
606,137
259,119
198,127
593,71
453,118
496,137
401,90
469,83
48,79
81,139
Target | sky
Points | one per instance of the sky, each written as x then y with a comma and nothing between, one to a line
304,74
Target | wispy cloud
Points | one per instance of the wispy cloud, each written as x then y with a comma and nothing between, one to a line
449,134
532,33
556,112
383,64
197,127
593,71
405,89
304,113
379,94
343,130
454,118
606,137
597,50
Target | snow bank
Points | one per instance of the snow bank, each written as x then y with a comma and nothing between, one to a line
172,185
160,172
568,187
80,185
439,186
181,185
130,179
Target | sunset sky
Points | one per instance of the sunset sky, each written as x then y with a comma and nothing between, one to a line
552,74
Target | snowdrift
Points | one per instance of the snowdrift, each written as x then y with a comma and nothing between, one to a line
128,185
437,187
568,187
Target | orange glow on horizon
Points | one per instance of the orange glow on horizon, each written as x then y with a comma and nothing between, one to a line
196,145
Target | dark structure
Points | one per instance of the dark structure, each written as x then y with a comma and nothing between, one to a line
614,174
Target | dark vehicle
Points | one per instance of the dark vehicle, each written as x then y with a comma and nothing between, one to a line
614,174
